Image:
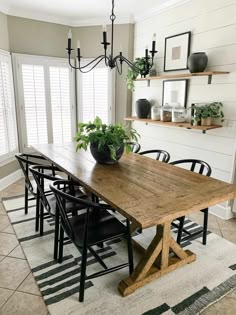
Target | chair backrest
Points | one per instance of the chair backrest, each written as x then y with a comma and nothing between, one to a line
25,160
40,173
135,146
194,165
161,155
64,198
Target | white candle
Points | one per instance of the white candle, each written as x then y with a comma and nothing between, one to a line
154,37
104,28
78,43
69,34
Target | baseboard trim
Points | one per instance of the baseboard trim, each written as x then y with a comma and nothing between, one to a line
10,179
224,213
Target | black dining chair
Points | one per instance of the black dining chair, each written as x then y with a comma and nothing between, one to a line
31,192
95,226
160,155
202,168
50,173
135,146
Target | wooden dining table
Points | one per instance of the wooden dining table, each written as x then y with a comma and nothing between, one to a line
149,193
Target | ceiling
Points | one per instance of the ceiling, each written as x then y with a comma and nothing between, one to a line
85,12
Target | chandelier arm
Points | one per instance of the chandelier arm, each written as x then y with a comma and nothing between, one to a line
73,67
102,57
117,67
88,64
129,63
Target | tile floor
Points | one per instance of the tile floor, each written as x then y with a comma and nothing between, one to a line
19,294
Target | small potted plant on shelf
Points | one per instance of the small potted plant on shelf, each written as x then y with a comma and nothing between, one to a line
132,74
217,114
195,115
107,142
207,114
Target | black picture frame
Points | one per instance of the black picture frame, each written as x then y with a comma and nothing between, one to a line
181,53
182,95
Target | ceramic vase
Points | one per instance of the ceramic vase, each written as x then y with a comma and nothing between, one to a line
103,156
142,108
197,62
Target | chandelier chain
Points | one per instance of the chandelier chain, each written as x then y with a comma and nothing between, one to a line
113,16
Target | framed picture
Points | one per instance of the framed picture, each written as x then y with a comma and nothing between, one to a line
177,49
175,92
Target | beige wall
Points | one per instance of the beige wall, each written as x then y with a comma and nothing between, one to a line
8,169
37,38
4,40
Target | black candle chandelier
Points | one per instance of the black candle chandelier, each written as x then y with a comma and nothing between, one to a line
111,61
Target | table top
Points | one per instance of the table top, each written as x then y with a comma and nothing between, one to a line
147,191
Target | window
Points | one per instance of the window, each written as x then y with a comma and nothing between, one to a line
8,129
95,94
35,104
61,104
46,99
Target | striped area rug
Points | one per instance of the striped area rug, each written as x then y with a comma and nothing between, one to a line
186,291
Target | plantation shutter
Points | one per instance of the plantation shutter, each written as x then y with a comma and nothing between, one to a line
60,104
46,100
95,94
35,104
8,133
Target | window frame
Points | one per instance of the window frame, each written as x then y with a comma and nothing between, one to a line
46,62
8,157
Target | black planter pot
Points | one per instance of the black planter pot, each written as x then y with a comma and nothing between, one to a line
142,108
197,62
103,157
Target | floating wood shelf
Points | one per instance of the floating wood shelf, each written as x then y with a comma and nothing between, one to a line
184,75
172,124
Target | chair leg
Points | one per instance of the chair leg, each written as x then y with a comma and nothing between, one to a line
205,224
180,231
83,274
61,244
37,213
84,260
56,233
130,249
41,218
26,200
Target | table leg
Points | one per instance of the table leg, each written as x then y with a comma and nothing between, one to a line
155,261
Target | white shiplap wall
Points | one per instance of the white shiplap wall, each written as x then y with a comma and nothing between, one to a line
213,27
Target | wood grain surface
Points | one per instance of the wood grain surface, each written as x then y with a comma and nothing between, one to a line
146,191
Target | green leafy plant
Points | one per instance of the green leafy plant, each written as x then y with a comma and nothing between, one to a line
105,136
217,110
132,74
213,110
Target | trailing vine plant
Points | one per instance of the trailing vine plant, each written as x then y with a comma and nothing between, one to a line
132,74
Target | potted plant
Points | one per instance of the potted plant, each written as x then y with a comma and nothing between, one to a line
132,74
217,114
195,115
107,142
207,114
